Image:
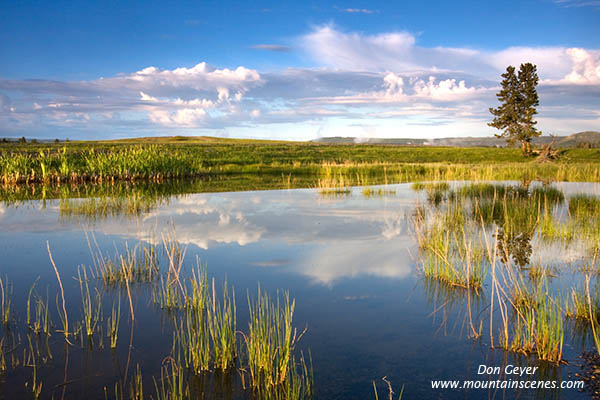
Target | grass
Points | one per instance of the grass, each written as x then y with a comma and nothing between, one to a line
389,388
369,192
492,226
113,321
449,252
172,385
136,265
91,304
6,290
63,316
160,160
41,324
271,340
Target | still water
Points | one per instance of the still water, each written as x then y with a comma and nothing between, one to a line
350,261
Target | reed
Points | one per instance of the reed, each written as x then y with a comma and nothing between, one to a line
172,385
112,323
63,316
91,305
389,388
222,328
136,387
192,333
167,295
36,385
6,290
41,324
549,330
371,192
137,265
451,250
594,320
271,340
298,385
333,184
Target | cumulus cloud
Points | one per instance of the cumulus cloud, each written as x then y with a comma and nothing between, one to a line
399,52
370,83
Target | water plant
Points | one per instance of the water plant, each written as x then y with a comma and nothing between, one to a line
91,305
222,327
270,340
63,316
41,324
389,387
172,385
112,323
6,290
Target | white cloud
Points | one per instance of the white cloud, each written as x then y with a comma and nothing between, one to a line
382,84
586,67
187,117
447,89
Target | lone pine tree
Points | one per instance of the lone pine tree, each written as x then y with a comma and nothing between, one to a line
519,98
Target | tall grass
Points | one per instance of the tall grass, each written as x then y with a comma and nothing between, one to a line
63,315
91,304
172,384
113,321
106,162
6,290
271,340
452,249
41,323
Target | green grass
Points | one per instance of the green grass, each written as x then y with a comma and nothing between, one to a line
157,160
6,290
270,342
91,304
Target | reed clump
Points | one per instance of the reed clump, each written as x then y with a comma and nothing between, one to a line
206,335
270,342
450,252
91,304
136,265
40,323
6,290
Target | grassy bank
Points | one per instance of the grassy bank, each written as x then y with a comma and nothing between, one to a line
167,158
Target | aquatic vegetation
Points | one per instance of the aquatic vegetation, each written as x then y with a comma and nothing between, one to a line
63,316
112,323
36,385
430,186
172,384
584,206
91,305
389,388
137,265
448,252
41,324
270,340
222,328
577,307
332,184
6,290
370,192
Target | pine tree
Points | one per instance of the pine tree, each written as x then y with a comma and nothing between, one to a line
519,99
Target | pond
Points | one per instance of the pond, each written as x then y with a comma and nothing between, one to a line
354,264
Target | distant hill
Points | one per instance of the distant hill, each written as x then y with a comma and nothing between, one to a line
580,139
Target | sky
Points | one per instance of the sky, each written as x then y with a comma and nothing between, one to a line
290,70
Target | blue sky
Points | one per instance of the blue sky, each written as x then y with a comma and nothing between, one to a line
290,70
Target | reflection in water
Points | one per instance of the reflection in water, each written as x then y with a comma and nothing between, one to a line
326,251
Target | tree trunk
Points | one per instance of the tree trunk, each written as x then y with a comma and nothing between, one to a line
526,147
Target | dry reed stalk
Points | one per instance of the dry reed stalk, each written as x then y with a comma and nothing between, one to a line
62,292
